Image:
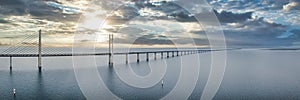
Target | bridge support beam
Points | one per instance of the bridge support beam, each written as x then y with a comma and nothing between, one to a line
40,51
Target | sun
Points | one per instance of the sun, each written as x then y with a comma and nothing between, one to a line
93,22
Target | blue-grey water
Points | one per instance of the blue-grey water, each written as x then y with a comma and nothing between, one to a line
250,74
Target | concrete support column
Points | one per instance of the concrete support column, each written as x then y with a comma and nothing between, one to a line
147,56
10,62
168,54
137,57
126,58
173,54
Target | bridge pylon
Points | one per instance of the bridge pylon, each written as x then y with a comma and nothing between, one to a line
40,51
111,50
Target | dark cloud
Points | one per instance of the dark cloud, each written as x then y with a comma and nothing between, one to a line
150,40
262,35
255,32
261,26
4,21
132,30
126,12
174,11
36,8
297,34
170,9
229,17
253,5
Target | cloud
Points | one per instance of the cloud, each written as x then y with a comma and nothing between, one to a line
291,32
67,9
248,5
152,40
38,9
4,21
154,22
291,6
229,17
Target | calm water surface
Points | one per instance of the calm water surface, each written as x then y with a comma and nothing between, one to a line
250,74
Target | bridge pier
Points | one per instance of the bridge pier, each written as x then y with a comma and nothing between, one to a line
173,54
147,54
10,62
177,53
162,55
126,58
168,54
155,56
137,57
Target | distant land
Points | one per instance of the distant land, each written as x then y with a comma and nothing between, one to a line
283,49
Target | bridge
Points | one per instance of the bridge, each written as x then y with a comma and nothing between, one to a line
110,54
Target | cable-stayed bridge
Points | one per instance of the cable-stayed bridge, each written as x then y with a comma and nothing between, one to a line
35,49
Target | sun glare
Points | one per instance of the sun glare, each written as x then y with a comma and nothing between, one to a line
94,22
101,38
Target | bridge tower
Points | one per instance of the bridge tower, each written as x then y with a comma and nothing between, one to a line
111,50
40,51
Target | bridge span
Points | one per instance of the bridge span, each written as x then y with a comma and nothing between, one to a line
110,54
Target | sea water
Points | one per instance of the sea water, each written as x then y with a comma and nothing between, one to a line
250,74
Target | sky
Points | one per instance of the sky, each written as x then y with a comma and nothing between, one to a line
149,23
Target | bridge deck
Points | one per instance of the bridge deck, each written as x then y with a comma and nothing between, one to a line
95,54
